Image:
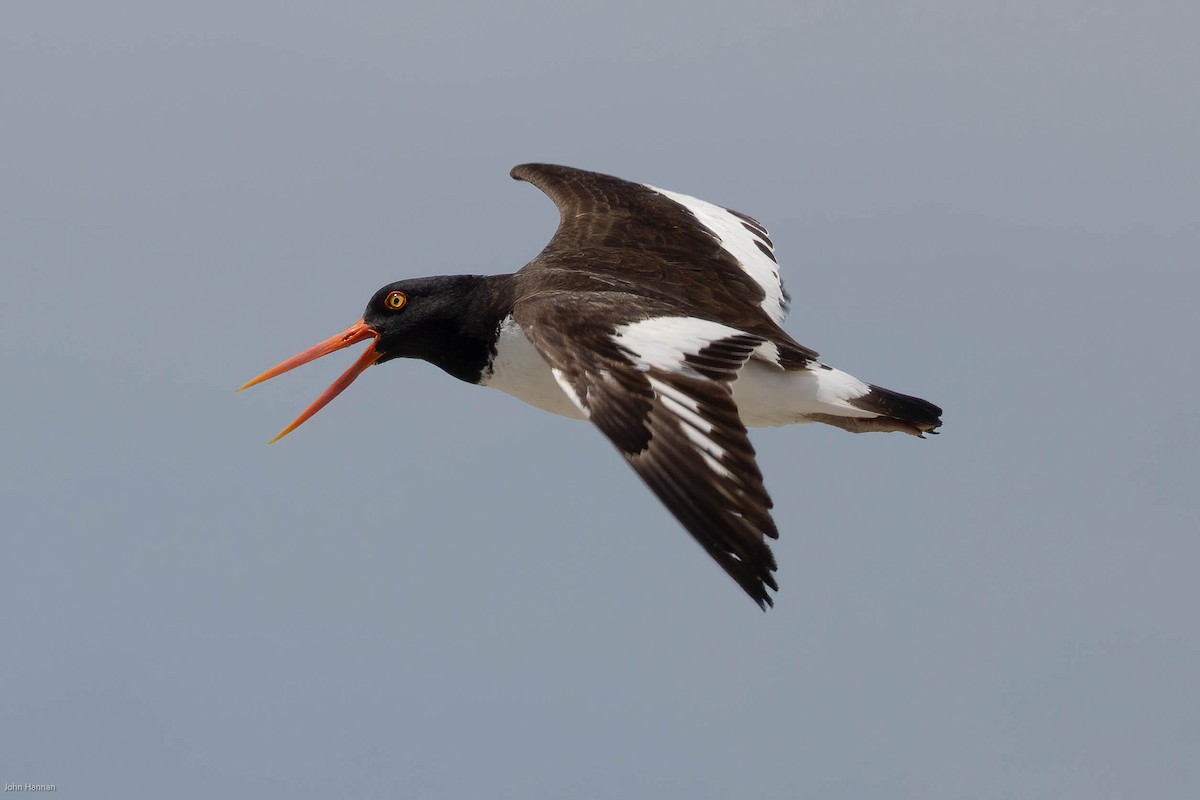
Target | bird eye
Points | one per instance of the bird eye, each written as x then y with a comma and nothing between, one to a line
395,300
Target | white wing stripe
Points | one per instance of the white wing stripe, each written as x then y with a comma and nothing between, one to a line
685,415
569,390
695,427
742,244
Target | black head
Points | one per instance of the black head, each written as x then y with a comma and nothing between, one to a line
450,321
433,319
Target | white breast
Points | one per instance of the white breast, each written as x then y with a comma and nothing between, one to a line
519,369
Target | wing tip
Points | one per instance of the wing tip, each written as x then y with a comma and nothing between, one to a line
754,577
533,169
758,591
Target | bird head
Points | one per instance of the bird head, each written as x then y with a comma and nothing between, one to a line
406,319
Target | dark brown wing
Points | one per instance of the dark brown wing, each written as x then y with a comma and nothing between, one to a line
659,388
664,245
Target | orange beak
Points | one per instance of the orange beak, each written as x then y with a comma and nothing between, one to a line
355,333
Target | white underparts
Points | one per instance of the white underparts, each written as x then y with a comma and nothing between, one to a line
766,395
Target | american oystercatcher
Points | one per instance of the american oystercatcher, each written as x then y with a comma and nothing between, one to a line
657,317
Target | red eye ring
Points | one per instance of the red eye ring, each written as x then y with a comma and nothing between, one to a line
395,301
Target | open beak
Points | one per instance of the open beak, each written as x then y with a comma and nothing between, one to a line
355,333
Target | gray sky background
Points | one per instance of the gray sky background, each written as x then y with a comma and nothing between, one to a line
431,590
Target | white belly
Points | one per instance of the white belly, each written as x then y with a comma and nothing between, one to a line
766,396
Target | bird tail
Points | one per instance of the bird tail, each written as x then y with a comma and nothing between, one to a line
896,412
907,413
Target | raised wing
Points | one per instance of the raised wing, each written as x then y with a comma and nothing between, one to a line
659,389
729,252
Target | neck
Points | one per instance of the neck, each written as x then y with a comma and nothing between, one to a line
467,343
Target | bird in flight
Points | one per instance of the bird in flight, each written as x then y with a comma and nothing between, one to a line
656,316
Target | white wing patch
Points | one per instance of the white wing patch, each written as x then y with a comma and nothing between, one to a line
741,242
663,342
